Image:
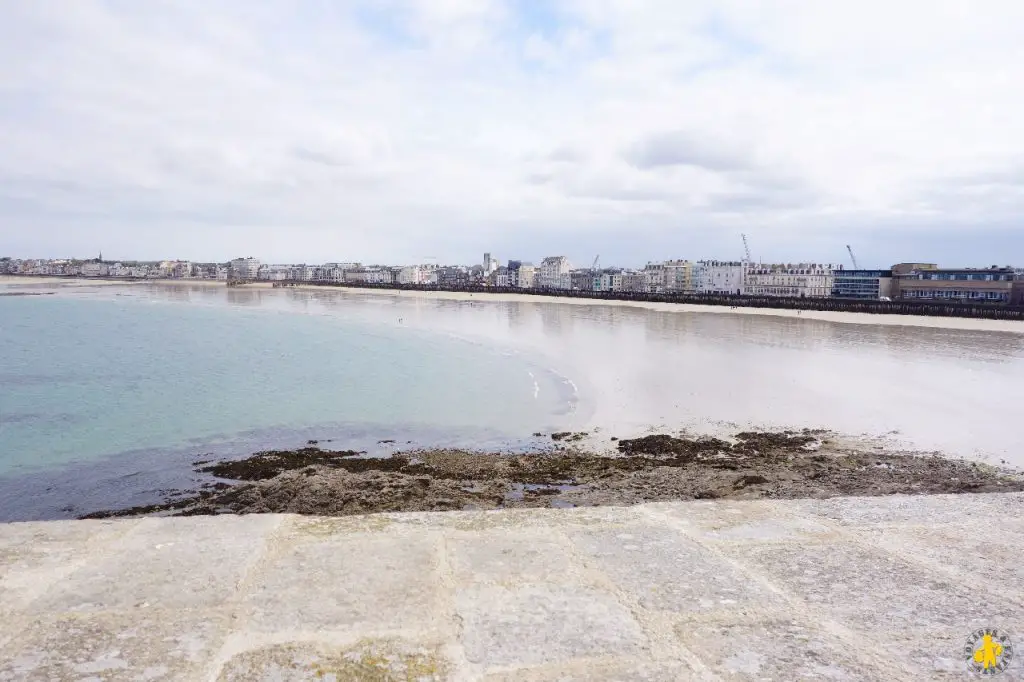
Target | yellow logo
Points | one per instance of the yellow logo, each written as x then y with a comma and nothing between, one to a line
988,651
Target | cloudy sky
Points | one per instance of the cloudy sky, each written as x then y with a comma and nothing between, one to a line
400,130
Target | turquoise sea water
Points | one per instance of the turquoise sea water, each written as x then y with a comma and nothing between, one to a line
109,393
91,377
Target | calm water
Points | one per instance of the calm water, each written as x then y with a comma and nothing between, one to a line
108,393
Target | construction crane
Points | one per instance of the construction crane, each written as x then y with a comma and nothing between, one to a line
596,259
853,258
746,248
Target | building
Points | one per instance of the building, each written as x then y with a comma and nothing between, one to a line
513,272
633,282
453,277
554,273
980,285
93,270
655,275
582,280
335,272
412,274
490,264
907,268
244,268
526,276
862,284
275,273
610,279
811,280
678,276
719,277
501,277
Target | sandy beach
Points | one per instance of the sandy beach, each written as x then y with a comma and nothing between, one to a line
824,315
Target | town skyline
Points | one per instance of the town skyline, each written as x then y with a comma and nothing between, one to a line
999,285
840,257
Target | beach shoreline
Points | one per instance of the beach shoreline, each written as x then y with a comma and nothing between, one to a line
654,468
938,322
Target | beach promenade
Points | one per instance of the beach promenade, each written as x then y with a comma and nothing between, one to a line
845,589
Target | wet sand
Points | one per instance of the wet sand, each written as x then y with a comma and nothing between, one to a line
660,467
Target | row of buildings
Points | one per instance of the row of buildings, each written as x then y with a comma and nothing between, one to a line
905,281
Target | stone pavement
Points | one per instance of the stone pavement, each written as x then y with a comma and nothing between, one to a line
845,589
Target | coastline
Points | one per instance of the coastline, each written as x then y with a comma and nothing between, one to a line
804,464
960,323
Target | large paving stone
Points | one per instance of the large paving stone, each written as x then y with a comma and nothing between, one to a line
365,661
142,644
540,624
666,571
985,552
601,671
34,556
741,521
775,650
870,590
165,563
510,558
914,509
938,653
338,582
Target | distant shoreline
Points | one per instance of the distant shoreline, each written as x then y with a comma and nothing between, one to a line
962,323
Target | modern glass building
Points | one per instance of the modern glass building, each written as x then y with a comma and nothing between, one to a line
862,284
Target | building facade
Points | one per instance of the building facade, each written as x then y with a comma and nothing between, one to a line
862,284
719,277
582,280
633,282
244,268
526,276
678,276
811,280
655,277
609,280
979,285
554,273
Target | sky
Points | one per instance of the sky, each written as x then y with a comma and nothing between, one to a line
400,131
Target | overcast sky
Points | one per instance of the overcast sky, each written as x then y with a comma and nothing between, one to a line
397,130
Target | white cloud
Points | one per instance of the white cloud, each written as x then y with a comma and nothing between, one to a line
388,130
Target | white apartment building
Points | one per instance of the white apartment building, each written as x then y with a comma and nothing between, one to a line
412,274
274,273
370,275
490,264
812,280
335,272
245,268
95,270
526,276
655,277
609,280
678,276
718,277
554,273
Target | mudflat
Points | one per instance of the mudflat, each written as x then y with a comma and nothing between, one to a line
660,467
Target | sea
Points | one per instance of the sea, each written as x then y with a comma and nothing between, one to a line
109,393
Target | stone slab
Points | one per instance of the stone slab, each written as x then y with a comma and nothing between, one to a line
543,624
863,589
